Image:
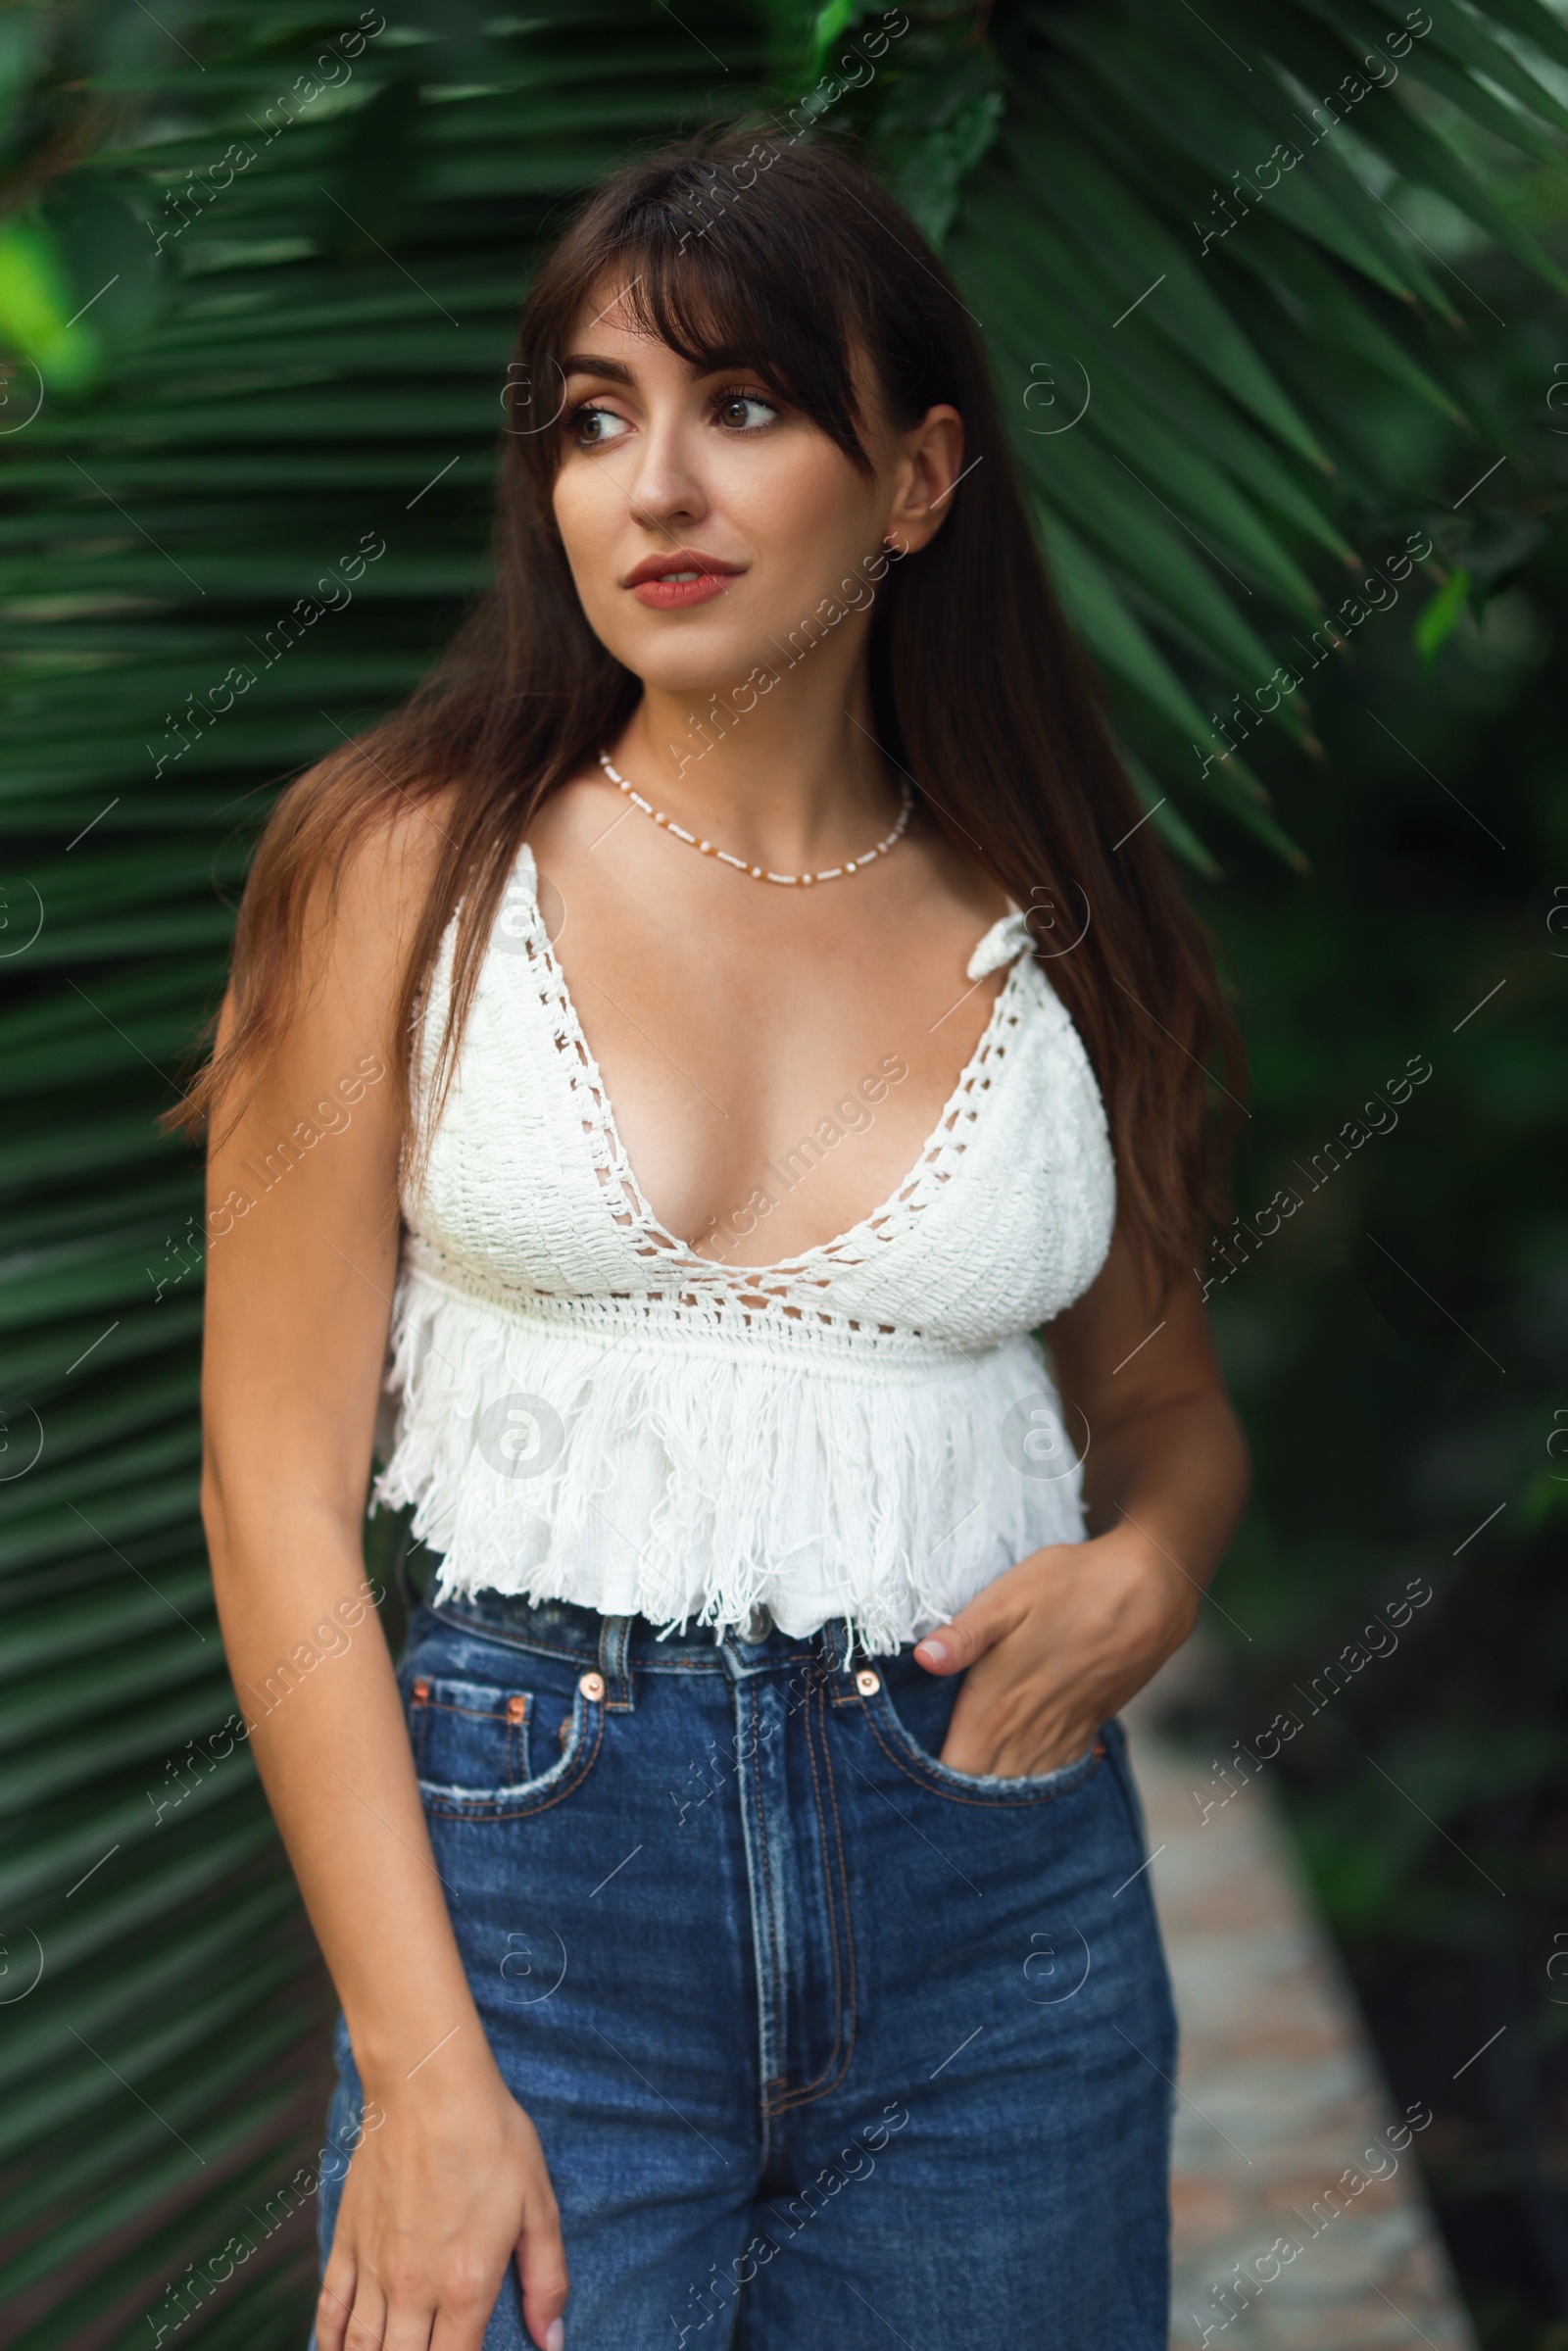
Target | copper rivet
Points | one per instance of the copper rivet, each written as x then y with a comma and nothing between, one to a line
592,1686
517,1707
867,1682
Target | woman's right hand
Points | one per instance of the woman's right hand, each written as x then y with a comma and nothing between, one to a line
439,2196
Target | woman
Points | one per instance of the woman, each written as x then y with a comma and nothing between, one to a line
736,1895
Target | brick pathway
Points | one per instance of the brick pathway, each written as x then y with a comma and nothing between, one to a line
1285,2240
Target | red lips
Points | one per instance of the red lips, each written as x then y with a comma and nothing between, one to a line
684,576
679,559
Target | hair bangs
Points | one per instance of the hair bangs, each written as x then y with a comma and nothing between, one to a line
738,292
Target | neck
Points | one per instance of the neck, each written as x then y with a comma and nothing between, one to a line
791,779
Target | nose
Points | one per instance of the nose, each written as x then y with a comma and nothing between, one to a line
667,493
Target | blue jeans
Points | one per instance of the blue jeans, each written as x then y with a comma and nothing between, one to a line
828,2045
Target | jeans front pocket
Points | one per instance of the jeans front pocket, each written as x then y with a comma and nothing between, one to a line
469,1734
497,1731
921,1763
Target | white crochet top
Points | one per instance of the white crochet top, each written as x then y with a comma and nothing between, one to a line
587,1410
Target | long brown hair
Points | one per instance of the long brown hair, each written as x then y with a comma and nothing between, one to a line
789,257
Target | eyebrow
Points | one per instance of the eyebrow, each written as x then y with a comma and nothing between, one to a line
588,363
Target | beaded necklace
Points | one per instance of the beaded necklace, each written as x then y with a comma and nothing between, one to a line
833,874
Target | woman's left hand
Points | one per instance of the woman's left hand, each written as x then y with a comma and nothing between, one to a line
1054,1647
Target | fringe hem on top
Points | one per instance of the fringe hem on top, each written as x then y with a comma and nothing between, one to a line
630,1479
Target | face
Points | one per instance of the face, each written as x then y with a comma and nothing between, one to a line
704,519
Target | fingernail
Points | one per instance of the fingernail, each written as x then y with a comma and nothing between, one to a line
936,1650
555,2336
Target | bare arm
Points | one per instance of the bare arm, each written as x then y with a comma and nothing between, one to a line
1166,1456
303,1257
1065,1637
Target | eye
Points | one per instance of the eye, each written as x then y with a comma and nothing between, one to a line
740,411
592,427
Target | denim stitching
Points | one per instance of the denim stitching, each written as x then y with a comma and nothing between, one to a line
779,2018
788,2097
523,1812
982,1797
419,1711
828,2080
766,1860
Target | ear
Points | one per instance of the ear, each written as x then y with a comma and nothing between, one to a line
930,462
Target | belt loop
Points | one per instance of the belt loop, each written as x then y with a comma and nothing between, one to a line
615,1640
837,1639
848,1643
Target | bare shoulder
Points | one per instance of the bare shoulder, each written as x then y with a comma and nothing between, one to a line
574,818
357,866
341,879
376,864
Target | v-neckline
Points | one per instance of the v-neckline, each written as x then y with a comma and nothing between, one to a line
583,1068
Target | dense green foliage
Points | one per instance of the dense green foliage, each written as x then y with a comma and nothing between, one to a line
1396,1347
258,282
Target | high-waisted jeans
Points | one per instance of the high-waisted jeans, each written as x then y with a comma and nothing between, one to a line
828,2045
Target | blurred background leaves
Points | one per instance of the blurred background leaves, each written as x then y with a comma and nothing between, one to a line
259,274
